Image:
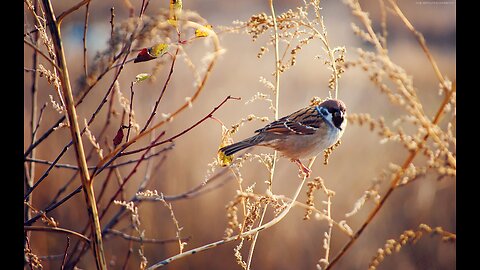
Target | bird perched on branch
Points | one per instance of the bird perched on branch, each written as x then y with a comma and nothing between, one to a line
302,134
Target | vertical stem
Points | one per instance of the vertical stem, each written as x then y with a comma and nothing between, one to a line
277,98
130,112
87,183
330,226
421,41
277,62
85,29
33,116
395,181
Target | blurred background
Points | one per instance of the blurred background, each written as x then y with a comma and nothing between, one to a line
293,243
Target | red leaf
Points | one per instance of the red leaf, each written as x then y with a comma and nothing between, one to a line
118,138
143,56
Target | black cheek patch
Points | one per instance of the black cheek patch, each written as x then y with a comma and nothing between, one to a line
337,120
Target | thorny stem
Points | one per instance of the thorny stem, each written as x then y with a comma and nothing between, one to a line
87,183
277,98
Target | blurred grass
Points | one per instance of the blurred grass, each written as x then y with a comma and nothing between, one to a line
293,243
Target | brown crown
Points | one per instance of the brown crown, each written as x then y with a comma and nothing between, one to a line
334,103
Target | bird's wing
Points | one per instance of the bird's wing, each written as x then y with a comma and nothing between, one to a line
302,122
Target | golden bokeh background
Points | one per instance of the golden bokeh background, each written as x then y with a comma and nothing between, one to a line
293,243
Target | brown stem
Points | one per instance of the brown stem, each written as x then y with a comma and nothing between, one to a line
185,131
277,98
199,89
65,254
33,126
58,230
85,29
162,92
72,9
87,183
395,181
421,41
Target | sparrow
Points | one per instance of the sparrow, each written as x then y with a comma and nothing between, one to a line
300,135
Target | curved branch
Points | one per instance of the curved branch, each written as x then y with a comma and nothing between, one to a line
57,230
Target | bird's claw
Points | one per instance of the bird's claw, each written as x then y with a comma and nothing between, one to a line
303,170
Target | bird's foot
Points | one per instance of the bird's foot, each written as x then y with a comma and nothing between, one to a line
303,170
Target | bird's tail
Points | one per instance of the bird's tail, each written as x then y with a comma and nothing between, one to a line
233,148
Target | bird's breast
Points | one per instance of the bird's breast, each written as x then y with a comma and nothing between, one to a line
306,146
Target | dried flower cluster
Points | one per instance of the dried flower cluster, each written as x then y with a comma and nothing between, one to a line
428,141
409,237
296,28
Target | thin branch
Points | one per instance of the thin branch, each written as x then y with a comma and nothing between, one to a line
154,144
143,7
72,9
73,167
162,92
145,240
126,49
186,195
87,184
92,118
277,98
34,133
65,253
395,181
193,192
236,237
129,176
423,44
85,29
185,131
187,104
41,53
33,115
52,207
129,252
57,230
46,173
130,111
